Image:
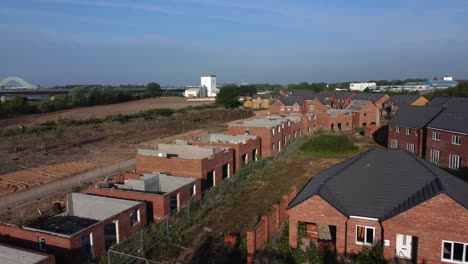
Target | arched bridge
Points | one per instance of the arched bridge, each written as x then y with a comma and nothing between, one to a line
10,83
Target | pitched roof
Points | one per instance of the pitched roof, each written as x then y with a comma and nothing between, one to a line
382,183
262,96
357,105
374,97
402,99
453,118
291,100
343,95
306,94
325,94
414,116
445,101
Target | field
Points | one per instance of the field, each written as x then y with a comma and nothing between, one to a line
100,111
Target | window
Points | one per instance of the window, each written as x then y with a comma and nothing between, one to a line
394,144
315,116
42,244
435,156
410,148
456,140
416,132
273,146
365,114
408,131
289,108
309,118
346,114
454,251
134,217
333,115
312,107
347,124
436,136
282,108
397,129
193,190
296,108
364,124
289,123
365,235
454,162
273,131
390,127
279,129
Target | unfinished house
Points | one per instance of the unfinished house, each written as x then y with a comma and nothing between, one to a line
337,120
246,148
209,164
292,126
164,194
89,227
365,113
417,211
271,134
13,255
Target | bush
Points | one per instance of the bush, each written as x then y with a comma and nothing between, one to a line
371,255
329,146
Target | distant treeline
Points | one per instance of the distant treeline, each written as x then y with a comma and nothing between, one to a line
78,97
461,90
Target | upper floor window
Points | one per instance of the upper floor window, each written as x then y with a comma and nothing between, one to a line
365,235
416,132
333,115
273,131
296,108
394,144
289,108
455,252
435,135
312,107
346,114
282,108
456,140
365,114
398,129
408,131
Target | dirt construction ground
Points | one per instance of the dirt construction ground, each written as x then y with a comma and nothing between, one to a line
101,111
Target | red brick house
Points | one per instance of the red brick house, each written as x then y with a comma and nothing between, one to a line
92,224
407,128
209,164
338,120
292,126
396,101
364,113
343,99
378,99
270,132
287,105
246,148
418,211
447,138
163,194
14,255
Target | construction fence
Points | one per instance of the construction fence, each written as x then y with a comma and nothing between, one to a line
42,190
152,244
268,225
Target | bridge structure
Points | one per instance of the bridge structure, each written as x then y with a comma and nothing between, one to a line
16,83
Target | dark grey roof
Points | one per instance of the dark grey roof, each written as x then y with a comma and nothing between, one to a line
357,105
373,97
262,96
291,100
382,183
324,101
343,95
445,101
325,94
402,99
414,116
306,94
453,118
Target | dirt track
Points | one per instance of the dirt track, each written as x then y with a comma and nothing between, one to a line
101,111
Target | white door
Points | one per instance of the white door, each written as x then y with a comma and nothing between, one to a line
403,246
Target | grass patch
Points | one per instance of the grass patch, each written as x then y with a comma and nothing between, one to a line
329,146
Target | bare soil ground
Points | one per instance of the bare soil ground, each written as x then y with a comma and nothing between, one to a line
96,146
101,111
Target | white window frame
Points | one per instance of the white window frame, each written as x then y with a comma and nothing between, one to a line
416,132
394,144
289,108
273,131
312,107
346,114
398,129
408,131
465,251
410,147
365,235
296,108
194,190
436,136
454,162
279,129
282,108
433,157
456,140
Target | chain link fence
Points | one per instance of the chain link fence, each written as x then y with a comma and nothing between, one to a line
153,243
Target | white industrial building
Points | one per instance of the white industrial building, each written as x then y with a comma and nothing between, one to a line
362,86
206,89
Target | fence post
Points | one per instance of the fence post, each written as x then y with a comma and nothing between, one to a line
277,216
251,246
265,223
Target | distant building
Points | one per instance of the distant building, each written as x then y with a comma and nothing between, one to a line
209,81
361,86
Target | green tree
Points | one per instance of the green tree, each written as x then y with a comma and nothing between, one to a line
228,97
153,89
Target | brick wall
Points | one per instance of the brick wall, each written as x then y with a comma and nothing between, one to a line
275,108
404,139
368,115
269,224
266,137
445,146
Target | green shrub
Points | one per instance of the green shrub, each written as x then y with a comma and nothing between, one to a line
329,146
371,255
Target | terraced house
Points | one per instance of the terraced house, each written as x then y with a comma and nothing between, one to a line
417,211
447,138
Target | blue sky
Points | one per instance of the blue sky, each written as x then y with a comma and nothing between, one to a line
55,42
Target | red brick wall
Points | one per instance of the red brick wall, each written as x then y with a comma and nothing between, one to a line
446,147
318,107
266,137
322,213
368,114
275,108
404,140
239,150
353,248
437,219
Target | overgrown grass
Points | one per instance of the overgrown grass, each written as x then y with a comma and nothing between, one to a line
329,146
